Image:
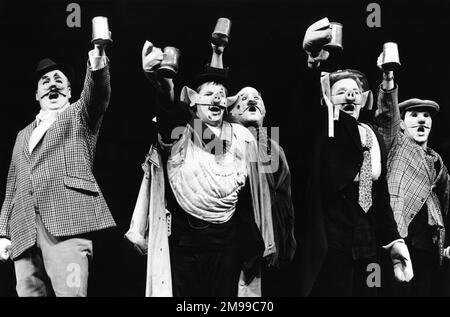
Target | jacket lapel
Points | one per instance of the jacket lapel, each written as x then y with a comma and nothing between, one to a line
420,153
27,133
351,127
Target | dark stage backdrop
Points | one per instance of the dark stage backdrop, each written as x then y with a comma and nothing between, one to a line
264,51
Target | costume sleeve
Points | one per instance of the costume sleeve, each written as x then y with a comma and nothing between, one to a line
9,198
94,99
170,116
445,194
283,213
387,116
387,230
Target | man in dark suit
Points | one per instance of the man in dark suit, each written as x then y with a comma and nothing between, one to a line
52,200
347,217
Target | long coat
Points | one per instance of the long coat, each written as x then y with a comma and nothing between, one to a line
150,225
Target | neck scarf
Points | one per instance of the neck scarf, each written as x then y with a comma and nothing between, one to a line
44,120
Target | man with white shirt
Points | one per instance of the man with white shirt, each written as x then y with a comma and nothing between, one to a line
52,200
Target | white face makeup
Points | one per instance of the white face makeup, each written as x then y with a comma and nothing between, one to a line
417,126
211,103
347,96
249,109
53,90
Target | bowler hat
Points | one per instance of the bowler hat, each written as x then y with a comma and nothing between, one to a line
209,73
46,65
415,103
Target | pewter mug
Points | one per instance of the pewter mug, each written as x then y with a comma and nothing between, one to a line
390,59
221,34
336,37
100,31
169,64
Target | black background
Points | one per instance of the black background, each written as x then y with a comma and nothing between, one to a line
264,52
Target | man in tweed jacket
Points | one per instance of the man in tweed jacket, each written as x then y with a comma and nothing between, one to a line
418,183
52,199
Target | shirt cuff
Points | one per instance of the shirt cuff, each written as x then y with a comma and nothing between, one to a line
388,246
97,62
387,91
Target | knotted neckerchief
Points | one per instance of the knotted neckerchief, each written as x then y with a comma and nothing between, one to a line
44,121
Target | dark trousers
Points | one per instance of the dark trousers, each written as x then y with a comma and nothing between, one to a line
203,273
341,276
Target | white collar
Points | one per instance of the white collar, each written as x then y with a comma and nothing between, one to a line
49,115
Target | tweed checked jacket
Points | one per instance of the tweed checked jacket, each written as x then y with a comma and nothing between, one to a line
409,181
56,179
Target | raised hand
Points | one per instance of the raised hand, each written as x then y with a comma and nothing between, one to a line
316,36
151,57
5,246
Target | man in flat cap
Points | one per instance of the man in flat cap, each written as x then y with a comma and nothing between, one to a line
347,220
418,183
52,200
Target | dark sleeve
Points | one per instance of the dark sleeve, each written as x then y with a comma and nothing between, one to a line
169,116
249,239
283,213
306,117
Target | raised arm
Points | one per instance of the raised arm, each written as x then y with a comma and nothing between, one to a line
94,99
217,56
387,116
316,36
170,113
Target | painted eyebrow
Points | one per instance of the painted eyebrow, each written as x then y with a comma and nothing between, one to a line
341,89
344,89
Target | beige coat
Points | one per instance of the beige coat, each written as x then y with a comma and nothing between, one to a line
150,224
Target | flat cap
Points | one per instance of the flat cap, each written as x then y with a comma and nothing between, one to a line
413,103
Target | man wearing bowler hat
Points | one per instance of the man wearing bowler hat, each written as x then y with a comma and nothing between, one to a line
418,183
204,191
52,200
